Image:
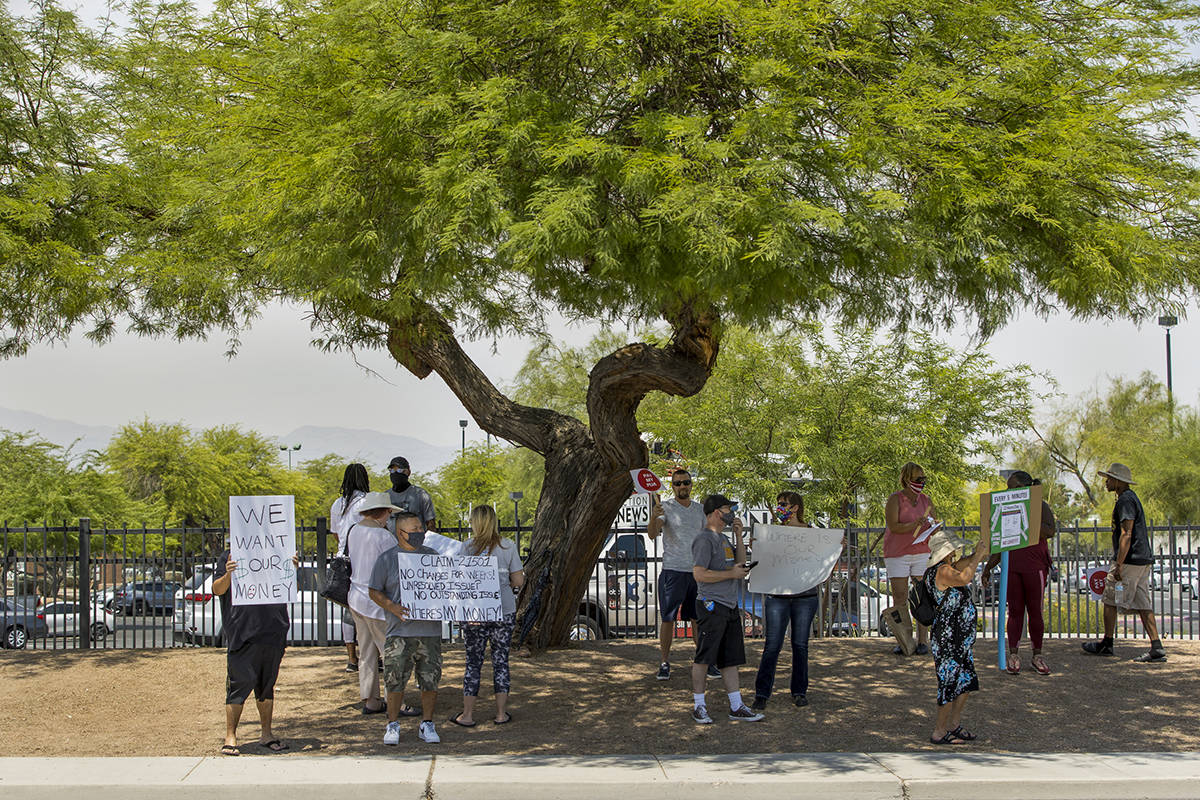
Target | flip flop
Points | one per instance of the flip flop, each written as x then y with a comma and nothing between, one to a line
230,750
507,719
1040,665
275,746
455,720
1014,664
409,711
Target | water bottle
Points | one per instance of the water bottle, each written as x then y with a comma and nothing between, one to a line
1119,593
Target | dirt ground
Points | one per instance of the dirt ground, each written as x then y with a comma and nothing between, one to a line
602,698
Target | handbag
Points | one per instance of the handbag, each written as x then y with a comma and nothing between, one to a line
337,575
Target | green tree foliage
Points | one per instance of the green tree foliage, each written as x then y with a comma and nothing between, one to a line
845,410
1129,421
482,475
405,168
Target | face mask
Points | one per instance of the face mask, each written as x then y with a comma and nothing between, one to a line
783,513
917,486
417,538
727,517
399,481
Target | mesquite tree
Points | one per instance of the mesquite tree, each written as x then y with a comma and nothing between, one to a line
418,172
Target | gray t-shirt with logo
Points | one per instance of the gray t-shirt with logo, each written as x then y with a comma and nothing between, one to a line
385,577
680,526
414,500
712,550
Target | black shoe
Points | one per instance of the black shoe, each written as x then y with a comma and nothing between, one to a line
351,666
800,699
922,649
897,650
759,704
1152,657
713,672
1097,648
664,672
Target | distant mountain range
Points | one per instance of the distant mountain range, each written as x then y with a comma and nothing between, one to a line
372,448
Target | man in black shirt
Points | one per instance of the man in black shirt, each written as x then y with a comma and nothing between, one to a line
256,637
1128,585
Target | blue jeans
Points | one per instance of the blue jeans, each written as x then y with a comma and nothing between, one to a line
779,612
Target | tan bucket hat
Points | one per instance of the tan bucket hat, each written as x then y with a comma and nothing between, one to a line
375,500
1118,472
942,543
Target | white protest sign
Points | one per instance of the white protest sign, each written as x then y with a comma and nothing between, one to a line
793,560
262,539
450,588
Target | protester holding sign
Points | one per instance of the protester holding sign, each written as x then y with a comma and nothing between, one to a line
1029,569
781,610
342,514
486,541
905,555
953,628
718,568
678,519
365,542
411,644
255,637
1128,585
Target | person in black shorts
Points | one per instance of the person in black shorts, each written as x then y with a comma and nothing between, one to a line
256,637
718,567
678,519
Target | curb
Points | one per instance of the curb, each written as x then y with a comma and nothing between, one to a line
830,776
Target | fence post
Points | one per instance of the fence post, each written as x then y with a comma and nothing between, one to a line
83,584
322,603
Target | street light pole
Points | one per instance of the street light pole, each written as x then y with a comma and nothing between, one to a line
462,423
516,498
1169,321
289,452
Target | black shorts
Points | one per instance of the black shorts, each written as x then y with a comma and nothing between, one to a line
720,639
253,667
676,595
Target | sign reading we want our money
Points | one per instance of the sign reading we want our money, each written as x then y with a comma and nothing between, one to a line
440,588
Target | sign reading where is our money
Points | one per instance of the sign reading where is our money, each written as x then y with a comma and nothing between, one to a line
1012,518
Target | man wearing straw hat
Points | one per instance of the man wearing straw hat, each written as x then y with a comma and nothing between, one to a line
1128,585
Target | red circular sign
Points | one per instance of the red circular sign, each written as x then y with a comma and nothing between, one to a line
648,480
1097,580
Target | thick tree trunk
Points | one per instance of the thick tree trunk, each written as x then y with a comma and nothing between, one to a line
587,468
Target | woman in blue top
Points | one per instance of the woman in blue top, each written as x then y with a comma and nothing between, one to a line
952,635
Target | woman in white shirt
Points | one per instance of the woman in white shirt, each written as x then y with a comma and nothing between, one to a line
366,541
342,514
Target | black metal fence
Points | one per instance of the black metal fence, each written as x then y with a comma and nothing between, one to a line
71,586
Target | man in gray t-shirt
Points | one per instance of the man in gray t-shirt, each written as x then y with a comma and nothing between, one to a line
411,645
407,497
719,567
679,519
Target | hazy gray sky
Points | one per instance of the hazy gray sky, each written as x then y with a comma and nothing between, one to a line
279,382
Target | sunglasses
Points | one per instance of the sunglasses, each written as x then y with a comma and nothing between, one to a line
681,483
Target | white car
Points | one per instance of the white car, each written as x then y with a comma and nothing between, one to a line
62,618
198,611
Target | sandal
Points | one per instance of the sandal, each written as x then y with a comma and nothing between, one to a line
275,746
948,738
408,711
1014,663
1040,665
962,733
507,719
230,750
457,720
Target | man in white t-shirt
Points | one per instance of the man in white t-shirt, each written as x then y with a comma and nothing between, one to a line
679,519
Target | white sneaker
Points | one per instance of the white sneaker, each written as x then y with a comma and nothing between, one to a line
427,733
392,734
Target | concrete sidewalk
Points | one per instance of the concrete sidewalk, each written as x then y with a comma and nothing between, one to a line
830,776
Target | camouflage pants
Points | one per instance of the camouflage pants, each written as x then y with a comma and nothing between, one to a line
402,655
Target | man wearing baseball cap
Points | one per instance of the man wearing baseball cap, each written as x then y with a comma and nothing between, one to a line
1128,584
407,497
718,567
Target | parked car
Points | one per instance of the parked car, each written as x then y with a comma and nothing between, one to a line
20,622
1075,580
62,618
144,598
868,614
1163,575
200,620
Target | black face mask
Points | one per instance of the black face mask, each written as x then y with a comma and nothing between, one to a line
399,481
416,538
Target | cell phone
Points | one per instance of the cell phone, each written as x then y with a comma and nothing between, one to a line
751,564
